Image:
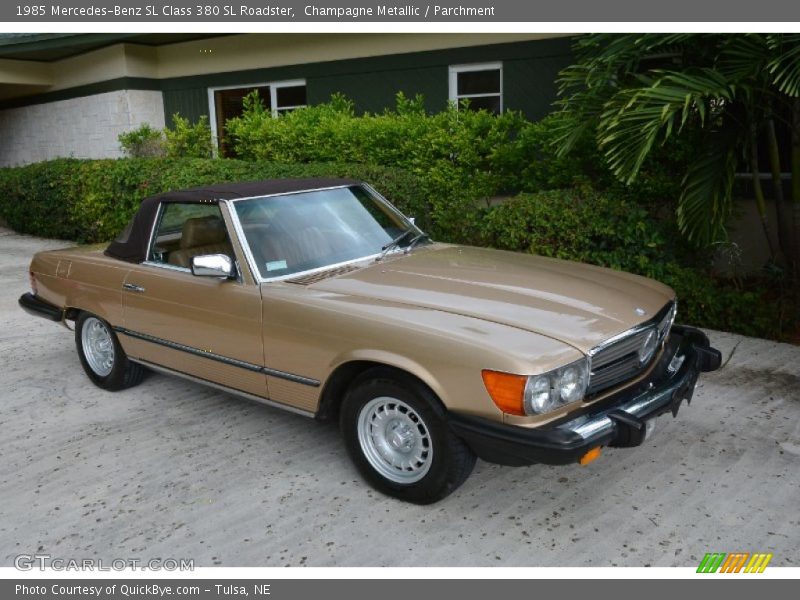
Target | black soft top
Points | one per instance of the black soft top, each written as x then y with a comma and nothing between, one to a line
131,245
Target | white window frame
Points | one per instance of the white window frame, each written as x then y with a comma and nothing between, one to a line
273,100
273,95
453,72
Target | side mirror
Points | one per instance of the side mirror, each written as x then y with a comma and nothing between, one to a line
213,265
412,220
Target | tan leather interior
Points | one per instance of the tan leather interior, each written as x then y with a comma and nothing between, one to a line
201,235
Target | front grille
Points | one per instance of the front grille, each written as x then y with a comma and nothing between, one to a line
616,362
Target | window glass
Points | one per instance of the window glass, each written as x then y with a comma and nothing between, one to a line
290,97
490,103
299,232
186,230
123,237
481,85
479,82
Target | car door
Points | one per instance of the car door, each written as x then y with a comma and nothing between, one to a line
205,327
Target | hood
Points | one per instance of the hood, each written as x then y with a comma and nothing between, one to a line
581,305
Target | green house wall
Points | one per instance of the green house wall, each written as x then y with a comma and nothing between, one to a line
529,74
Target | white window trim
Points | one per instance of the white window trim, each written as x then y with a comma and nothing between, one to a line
453,72
273,95
273,100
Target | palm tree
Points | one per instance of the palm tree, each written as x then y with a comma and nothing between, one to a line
729,92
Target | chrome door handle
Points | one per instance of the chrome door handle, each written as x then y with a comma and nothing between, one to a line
132,287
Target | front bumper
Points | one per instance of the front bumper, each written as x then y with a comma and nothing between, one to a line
619,420
34,305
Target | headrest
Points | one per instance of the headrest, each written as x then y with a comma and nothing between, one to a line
202,231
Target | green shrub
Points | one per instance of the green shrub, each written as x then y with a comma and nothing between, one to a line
186,140
142,142
706,301
92,200
406,137
529,162
182,140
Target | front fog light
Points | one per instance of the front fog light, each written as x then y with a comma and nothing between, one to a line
539,396
675,363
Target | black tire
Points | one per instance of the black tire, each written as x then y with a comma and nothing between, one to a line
447,460
122,374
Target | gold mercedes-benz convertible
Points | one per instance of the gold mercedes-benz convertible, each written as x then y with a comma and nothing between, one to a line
319,297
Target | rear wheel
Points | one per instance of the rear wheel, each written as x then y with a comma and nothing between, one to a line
395,433
102,356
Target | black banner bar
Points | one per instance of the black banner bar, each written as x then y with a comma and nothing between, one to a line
391,589
408,11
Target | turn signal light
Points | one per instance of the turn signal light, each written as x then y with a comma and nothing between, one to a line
506,390
590,456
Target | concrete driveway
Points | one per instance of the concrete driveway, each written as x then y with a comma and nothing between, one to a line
172,469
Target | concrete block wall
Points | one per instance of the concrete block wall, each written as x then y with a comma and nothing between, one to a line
85,127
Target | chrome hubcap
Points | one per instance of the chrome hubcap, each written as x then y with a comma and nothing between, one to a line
98,347
395,440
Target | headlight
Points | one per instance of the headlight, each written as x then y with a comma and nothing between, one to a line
572,382
538,394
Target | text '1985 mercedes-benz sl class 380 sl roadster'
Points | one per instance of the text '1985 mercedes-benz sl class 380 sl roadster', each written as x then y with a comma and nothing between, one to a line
319,297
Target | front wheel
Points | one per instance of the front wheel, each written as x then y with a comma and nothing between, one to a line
395,433
102,356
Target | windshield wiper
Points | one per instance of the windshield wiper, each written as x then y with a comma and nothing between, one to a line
394,243
415,241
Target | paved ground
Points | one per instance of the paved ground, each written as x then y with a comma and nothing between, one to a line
172,469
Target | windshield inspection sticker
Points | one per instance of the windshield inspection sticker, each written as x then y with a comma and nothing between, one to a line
276,265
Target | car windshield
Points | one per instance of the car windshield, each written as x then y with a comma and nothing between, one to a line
299,232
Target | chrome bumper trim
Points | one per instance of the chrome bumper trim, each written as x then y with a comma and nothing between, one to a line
599,425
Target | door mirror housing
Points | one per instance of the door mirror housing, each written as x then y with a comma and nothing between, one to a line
213,265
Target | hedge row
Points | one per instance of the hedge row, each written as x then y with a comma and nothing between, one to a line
91,201
488,154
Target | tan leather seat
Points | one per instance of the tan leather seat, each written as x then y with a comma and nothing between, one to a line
201,235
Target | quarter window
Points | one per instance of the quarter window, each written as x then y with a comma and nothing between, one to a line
226,103
480,84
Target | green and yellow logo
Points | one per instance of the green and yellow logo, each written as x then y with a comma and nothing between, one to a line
736,562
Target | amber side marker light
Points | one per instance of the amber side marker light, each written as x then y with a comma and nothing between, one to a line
506,390
590,456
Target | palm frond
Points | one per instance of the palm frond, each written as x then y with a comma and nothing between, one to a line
705,202
743,57
785,66
606,63
635,118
